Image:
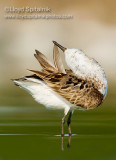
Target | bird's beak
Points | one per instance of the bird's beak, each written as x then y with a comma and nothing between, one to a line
61,47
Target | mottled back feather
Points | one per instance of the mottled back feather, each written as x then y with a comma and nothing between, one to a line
75,90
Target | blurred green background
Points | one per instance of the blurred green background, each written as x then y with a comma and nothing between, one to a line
27,129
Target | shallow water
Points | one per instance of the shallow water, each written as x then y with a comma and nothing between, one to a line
28,133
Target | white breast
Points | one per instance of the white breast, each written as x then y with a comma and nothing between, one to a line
86,67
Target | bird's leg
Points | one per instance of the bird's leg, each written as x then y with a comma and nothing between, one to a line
69,122
63,121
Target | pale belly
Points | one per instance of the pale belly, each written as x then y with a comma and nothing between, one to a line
43,94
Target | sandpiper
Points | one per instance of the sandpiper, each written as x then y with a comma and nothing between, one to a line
82,87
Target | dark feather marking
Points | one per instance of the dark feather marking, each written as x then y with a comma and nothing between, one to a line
82,86
86,85
75,84
65,87
34,76
54,80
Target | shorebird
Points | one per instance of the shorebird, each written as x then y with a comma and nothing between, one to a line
82,87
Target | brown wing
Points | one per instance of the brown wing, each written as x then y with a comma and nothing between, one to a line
75,90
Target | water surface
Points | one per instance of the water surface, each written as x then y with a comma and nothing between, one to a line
28,133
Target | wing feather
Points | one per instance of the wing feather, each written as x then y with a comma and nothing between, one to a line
39,73
44,62
57,60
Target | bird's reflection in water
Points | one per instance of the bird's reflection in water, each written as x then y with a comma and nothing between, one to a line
68,144
62,142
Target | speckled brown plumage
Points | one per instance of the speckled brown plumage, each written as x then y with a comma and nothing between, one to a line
75,90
